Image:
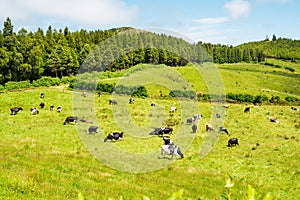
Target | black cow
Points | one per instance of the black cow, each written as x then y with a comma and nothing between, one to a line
51,107
15,110
99,94
232,141
223,129
162,131
42,95
34,111
71,119
42,105
113,102
114,136
92,129
194,128
247,110
59,109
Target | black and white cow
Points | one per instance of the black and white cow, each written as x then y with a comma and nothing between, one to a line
42,95
209,127
131,100
34,111
51,107
153,104
42,105
99,94
59,109
167,141
114,136
162,131
92,129
197,116
273,119
223,129
15,110
173,109
113,102
233,141
247,110
71,119
171,150
294,108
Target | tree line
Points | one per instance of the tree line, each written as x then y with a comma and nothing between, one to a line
28,55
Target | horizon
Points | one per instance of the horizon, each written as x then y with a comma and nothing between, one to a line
227,22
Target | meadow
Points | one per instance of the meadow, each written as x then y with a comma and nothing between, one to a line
43,159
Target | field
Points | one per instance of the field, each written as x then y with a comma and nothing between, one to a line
43,159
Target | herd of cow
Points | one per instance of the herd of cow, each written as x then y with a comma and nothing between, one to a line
168,147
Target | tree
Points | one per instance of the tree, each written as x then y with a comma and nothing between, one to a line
274,37
8,27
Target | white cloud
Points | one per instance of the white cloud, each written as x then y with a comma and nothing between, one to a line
238,8
211,20
88,12
273,1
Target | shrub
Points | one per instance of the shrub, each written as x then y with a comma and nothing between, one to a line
17,85
290,69
185,94
46,82
2,88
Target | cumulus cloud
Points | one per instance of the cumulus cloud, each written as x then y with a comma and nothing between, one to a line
88,12
204,21
238,8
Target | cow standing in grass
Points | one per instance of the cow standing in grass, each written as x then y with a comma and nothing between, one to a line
15,110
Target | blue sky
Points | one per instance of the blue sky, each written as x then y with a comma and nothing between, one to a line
230,22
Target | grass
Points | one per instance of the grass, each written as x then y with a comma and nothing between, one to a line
40,158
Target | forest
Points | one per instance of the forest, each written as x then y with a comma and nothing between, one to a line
28,56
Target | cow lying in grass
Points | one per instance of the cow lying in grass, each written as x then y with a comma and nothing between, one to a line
161,131
114,136
171,150
34,111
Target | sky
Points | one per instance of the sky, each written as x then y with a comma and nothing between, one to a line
229,22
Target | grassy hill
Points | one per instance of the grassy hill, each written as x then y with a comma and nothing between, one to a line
43,159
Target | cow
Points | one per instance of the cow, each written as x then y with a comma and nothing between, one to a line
194,128
113,102
114,136
15,110
42,105
190,120
131,100
168,141
209,127
84,94
162,131
171,150
51,107
34,111
92,129
173,109
247,110
223,129
293,108
273,119
232,141
99,94
153,104
225,106
71,119
59,109
42,95
218,115
197,116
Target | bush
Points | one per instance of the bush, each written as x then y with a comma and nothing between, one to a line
290,69
2,88
185,94
291,99
46,82
67,79
17,85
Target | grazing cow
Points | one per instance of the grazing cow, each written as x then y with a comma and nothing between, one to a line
273,119
114,136
113,102
168,141
153,104
86,121
247,110
99,94
71,119
225,106
293,108
232,141
190,120
84,94
218,115
162,131
15,110
59,109
194,128
171,150
42,95
51,107
223,129
42,105
209,127
131,100
92,129
34,111
173,109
